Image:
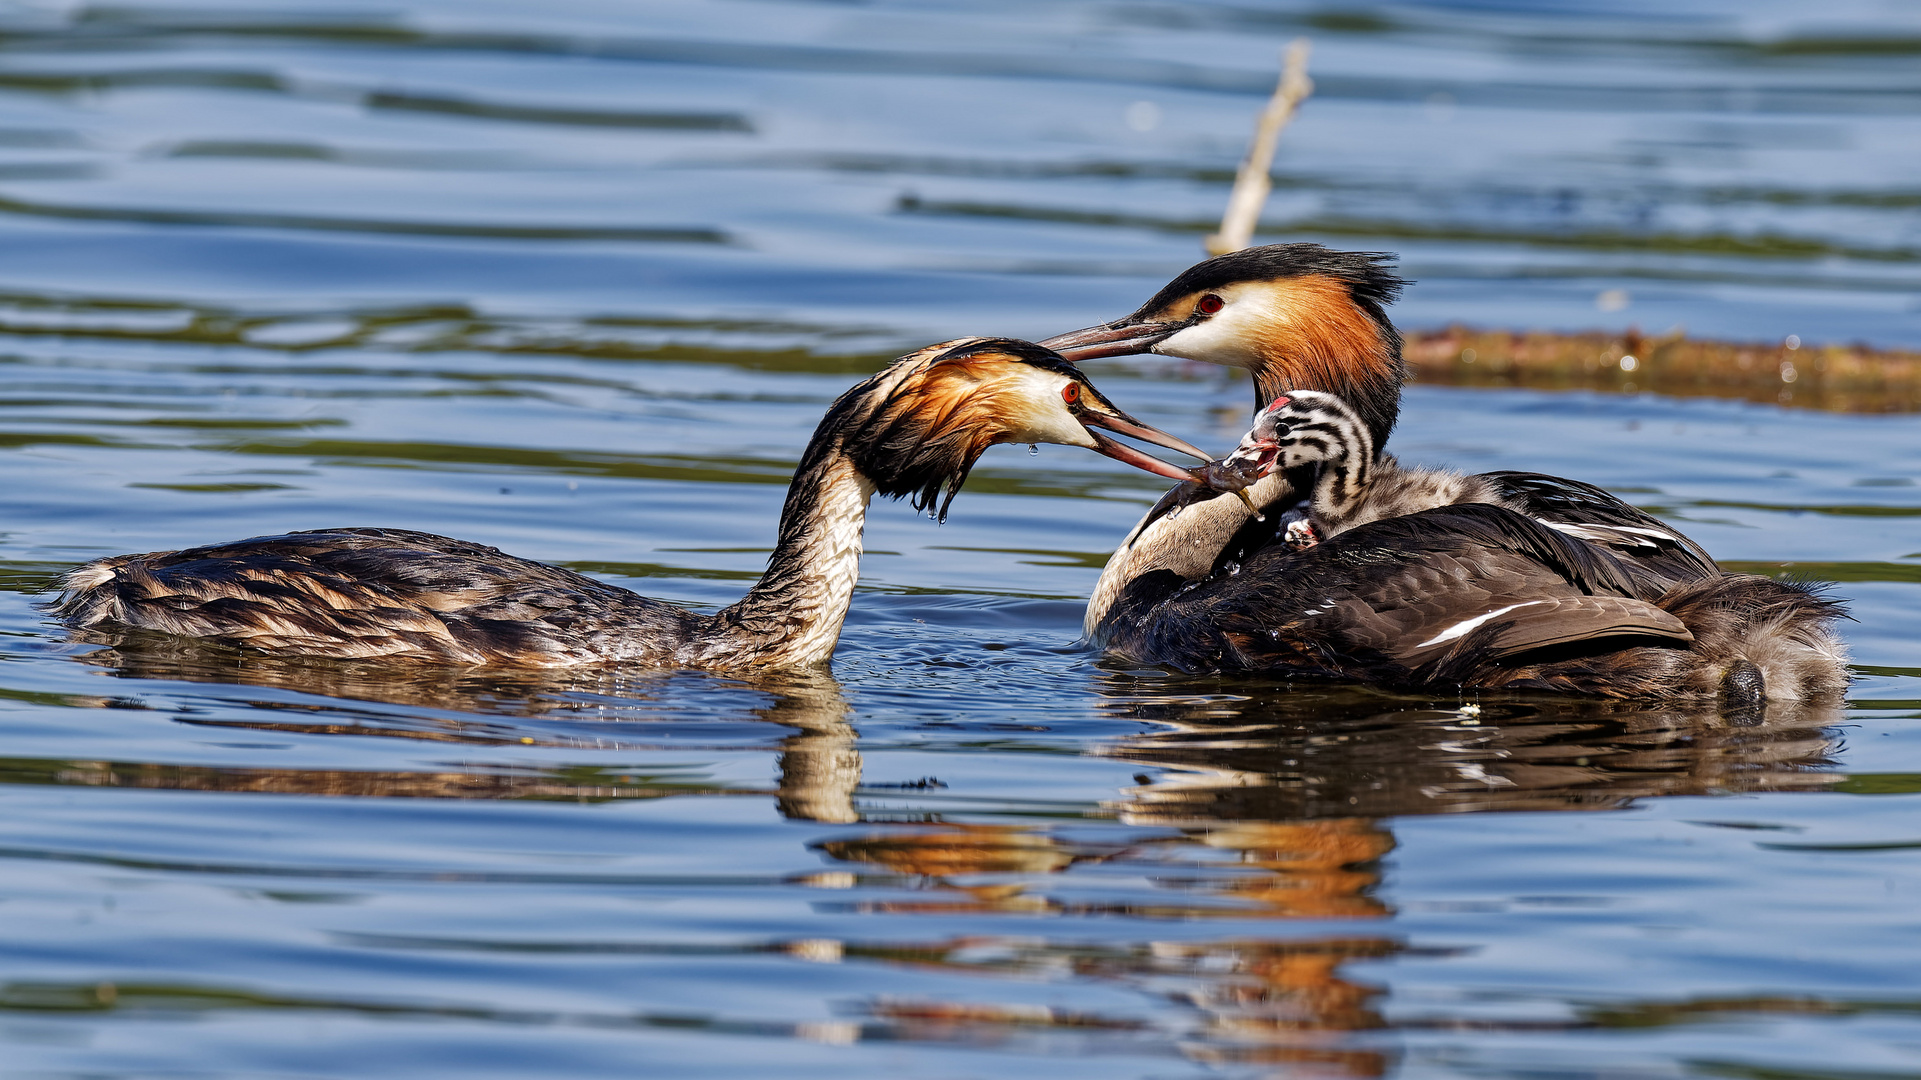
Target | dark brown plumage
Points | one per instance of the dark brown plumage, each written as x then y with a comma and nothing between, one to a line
1481,596
357,593
913,430
1301,317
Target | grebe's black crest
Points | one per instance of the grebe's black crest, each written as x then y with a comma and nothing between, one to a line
1368,275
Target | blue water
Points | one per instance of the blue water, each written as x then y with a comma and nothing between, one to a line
578,281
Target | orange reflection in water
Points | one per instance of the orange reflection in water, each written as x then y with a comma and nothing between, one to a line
1313,869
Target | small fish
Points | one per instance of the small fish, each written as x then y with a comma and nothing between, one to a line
1249,462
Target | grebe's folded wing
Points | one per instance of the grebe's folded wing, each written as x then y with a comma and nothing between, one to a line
362,593
1407,598
1590,513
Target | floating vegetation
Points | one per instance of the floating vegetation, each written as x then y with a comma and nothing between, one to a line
1836,378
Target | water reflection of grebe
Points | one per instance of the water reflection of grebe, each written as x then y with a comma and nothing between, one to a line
1260,1000
1542,583
915,429
599,707
1235,752
1260,802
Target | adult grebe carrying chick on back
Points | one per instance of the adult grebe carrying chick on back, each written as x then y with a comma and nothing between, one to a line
914,430
1334,561
1424,576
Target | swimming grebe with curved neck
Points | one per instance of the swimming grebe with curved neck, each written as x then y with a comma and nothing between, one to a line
913,430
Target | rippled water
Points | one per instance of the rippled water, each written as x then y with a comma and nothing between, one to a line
578,282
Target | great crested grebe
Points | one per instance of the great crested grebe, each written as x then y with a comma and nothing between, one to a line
1390,587
1301,316
913,430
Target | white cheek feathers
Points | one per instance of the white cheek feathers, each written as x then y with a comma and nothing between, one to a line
1044,415
1231,337
1225,339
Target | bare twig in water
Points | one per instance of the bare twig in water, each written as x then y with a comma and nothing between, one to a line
1251,183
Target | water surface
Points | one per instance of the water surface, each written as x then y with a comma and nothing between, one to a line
578,282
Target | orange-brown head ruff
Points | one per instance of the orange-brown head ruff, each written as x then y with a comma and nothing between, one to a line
917,428
1299,316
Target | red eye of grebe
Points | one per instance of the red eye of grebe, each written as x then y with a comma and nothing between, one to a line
1210,304
1071,393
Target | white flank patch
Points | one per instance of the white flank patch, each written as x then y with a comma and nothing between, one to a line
1466,626
1583,532
1603,534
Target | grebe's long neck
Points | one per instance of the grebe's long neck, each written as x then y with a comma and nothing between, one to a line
793,615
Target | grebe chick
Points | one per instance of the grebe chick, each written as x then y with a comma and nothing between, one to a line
913,430
1354,482
1420,577
1304,317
